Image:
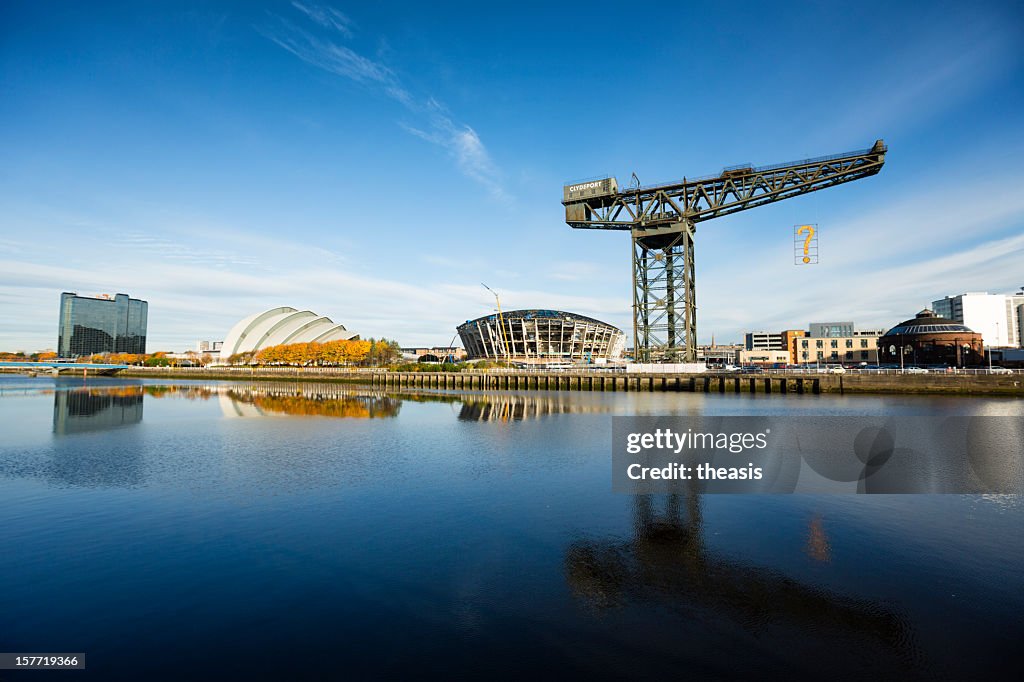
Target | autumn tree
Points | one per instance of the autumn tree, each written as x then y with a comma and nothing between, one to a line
383,352
332,353
156,360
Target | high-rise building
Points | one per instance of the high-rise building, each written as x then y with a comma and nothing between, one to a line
995,316
101,325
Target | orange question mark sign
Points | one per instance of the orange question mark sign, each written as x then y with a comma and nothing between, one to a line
809,229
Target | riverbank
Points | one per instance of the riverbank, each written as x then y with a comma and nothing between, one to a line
814,384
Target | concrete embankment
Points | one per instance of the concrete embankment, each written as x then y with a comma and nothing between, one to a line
814,384
817,384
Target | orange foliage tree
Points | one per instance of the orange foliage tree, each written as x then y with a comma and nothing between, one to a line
332,353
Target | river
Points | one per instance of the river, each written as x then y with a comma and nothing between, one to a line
188,530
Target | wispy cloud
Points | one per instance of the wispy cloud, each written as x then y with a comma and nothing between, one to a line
435,124
328,17
465,147
176,251
193,297
337,59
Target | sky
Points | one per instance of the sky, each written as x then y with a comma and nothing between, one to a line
377,162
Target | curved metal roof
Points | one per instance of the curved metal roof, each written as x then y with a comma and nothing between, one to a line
929,329
536,313
278,326
927,322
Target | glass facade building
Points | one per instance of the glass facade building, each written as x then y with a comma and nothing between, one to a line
101,325
827,330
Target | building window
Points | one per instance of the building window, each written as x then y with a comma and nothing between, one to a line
849,355
820,355
863,355
849,343
863,343
804,345
819,344
835,344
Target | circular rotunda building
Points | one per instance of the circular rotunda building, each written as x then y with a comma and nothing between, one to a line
928,339
280,326
540,337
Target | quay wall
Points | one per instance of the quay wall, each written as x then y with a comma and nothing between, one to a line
801,384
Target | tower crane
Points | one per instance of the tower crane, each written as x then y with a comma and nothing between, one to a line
662,221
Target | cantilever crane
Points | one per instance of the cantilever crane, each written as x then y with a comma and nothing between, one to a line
662,220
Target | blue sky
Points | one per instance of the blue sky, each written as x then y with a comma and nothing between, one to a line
375,162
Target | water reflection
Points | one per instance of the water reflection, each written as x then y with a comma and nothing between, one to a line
667,564
339,400
818,546
103,407
87,410
318,400
96,409
270,399
486,407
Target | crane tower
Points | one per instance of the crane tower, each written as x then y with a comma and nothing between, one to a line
662,220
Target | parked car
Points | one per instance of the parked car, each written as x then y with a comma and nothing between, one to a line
916,370
836,370
1000,370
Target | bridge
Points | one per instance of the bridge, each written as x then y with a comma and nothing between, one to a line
58,367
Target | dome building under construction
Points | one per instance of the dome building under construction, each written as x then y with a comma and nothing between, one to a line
540,337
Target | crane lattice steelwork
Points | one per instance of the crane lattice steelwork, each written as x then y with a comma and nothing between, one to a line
663,218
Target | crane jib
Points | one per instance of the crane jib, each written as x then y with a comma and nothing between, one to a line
598,205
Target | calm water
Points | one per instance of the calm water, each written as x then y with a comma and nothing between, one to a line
262,531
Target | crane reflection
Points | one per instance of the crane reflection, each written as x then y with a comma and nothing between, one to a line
666,563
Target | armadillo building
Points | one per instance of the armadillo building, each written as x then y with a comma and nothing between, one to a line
541,336
279,326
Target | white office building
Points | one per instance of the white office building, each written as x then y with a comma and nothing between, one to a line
763,341
997,317
1015,313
